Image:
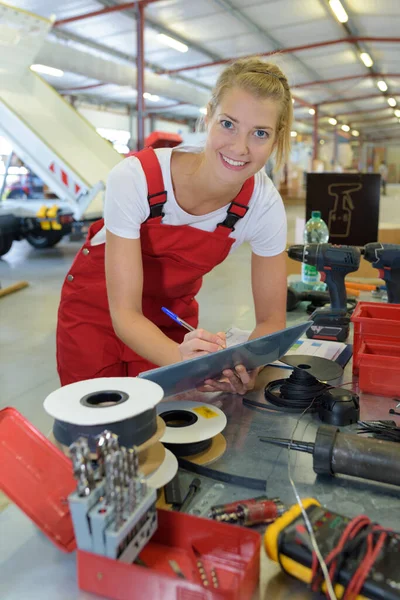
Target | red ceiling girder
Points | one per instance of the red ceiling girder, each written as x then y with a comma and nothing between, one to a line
353,99
372,121
347,78
346,40
364,110
355,112
82,87
103,11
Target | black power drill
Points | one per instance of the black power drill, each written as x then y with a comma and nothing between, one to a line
333,263
386,258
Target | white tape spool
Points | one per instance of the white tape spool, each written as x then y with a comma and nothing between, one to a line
207,421
165,472
132,396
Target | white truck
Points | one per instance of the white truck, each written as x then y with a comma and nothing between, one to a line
50,137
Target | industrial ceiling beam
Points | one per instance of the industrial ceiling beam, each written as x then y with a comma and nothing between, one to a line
166,31
372,121
69,36
112,103
263,33
352,33
356,112
347,78
291,50
103,11
363,110
382,127
353,99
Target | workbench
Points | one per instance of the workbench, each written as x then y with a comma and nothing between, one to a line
32,568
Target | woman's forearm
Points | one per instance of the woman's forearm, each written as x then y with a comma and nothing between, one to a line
145,338
269,326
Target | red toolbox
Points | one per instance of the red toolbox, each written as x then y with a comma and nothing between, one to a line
38,478
379,368
233,552
374,322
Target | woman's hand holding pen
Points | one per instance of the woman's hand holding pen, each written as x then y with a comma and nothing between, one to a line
200,342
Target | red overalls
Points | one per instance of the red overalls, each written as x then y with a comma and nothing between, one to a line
175,258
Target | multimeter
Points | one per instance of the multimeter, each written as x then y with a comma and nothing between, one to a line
287,542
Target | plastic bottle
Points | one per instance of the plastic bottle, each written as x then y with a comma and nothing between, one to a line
315,232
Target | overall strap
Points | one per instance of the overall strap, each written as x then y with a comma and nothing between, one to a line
157,195
237,208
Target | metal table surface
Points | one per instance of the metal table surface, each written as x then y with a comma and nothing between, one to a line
32,568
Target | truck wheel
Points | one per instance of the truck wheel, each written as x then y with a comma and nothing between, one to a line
5,243
47,239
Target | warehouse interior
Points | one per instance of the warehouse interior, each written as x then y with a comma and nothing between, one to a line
83,85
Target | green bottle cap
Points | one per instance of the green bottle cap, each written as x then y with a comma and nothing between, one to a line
316,214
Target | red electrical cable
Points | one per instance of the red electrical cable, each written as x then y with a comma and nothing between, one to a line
373,549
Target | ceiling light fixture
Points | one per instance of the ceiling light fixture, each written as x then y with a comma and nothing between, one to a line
338,11
392,102
172,43
293,134
47,70
322,142
367,60
151,97
332,121
312,111
382,85
397,113
345,128
355,133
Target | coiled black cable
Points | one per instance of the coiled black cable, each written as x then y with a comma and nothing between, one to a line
189,449
295,393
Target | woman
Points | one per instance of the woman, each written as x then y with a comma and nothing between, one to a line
170,217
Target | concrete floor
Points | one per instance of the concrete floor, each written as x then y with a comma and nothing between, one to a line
28,317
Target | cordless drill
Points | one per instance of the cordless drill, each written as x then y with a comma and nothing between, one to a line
333,263
386,258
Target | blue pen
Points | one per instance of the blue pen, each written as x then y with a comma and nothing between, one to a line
175,318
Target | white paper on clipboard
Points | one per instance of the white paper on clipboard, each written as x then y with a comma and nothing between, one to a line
191,374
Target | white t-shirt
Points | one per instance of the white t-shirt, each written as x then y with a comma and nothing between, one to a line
126,207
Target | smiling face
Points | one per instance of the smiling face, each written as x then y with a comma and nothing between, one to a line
242,134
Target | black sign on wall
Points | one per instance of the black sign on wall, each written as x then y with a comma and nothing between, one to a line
349,205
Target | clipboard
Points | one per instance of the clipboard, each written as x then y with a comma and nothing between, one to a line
192,373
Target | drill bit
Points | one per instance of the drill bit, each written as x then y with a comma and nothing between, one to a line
85,451
80,470
131,500
133,462
119,467
119,507
109,476
101,453
293,444
111,441
124,466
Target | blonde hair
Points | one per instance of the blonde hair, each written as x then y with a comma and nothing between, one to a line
264,80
